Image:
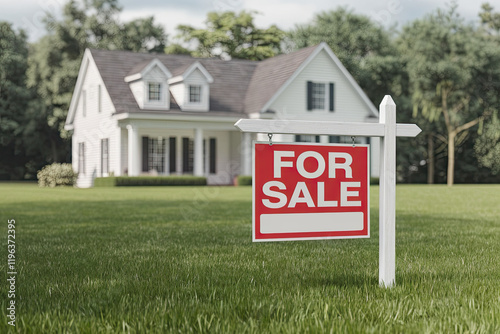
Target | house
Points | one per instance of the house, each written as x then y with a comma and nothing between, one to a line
157,114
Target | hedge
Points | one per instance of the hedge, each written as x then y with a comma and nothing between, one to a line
124,181
244,180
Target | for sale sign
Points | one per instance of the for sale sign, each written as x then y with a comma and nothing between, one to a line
305,192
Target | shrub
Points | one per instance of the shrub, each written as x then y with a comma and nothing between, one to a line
56,175
123,181
244,180
374,180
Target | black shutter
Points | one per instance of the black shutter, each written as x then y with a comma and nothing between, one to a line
309,95
185,155
317,139
213,156
172,154
332,107
145,152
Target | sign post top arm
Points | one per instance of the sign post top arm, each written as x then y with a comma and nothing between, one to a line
358,129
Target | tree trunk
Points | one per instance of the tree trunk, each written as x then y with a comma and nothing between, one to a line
451,158
430,157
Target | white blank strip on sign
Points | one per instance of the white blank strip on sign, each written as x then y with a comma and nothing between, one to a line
311,222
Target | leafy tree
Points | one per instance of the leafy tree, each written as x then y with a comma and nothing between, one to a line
55,58
231,35
363,47
16,104
454,75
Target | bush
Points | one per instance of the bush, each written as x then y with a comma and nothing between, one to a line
124,181
56,175
374,180
244,180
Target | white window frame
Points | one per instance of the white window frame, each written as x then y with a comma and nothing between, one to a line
195,94
159,93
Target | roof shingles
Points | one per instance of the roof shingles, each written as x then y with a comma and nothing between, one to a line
240,86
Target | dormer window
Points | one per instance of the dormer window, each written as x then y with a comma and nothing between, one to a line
149,84
194,93
154,91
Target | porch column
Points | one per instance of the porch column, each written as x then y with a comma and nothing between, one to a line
198,152
134,159
246,154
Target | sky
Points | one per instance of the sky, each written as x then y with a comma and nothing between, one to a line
28,14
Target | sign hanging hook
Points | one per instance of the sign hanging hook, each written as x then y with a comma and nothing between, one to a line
270,135
353,141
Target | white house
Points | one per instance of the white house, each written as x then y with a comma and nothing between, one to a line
157,114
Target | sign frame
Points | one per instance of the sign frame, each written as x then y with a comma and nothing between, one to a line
387,130
335,234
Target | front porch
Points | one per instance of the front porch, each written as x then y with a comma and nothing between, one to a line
215,152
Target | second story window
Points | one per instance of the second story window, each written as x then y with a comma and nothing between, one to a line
154,91
194,93
318,96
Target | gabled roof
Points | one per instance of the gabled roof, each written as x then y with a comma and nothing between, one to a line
270,75
138,72
273,76
190,69
236,86
227,92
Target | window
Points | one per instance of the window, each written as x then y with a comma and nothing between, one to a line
187,155
84,103
81,158
104,156
153,154
154,91
319,97
194,94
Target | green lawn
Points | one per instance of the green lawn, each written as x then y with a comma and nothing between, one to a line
172,259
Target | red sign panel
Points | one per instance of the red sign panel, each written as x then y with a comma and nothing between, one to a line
305,192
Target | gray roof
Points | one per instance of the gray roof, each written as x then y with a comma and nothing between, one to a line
270,75
240,86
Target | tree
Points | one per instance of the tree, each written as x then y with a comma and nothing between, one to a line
363,47
55,59
454,74
231,35
16,103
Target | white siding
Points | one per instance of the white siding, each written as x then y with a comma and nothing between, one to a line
292,102
93,127
179,93
138,89
348,105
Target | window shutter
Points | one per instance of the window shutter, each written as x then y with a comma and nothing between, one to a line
213,156
332,97
145,155
185,155
309,95
317,139
172,151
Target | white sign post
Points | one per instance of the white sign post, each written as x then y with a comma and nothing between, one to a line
387,130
